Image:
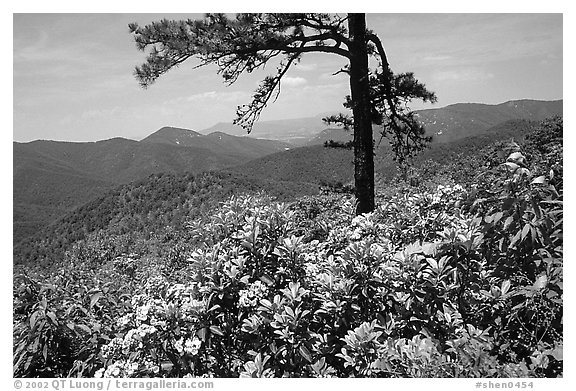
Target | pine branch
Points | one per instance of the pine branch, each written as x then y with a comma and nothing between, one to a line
247,115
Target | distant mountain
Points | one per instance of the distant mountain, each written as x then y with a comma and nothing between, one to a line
334,134
462,120
320,165
217,142
296,131
52,177
445,124
173,136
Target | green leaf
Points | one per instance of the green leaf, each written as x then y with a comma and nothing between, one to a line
52,317
267,280
28,362
511,166
216,330
496,217
202,334
305,353
505,286
533,233
213,308
516,156
525,231
432,262
94,298
541,282
429,249
515,239
289,311
538,181
84,328
34,319
508,221
558,353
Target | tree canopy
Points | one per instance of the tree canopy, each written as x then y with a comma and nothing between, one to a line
249,41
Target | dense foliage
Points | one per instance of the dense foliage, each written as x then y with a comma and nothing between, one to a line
145,208
449,280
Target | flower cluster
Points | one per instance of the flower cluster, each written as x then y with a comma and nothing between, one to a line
251,296
125,320
121,368
188,346
113,348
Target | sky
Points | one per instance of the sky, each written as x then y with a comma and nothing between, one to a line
73,73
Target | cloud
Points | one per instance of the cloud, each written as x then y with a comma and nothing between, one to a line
306,67
462,75
432,58
222,96
100,113
297,81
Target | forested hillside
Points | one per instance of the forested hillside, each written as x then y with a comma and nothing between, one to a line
147,208
52,178
461,120
165,199
334,166
457,273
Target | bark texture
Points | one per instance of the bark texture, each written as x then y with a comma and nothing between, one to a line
360,94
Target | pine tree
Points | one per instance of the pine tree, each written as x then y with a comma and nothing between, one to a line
250,40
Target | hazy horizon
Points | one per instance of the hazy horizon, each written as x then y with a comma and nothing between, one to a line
209,129
73,73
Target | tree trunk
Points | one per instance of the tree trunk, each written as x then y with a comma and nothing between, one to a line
360,93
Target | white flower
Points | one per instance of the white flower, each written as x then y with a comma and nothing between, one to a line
178,345
112,371
158,323
132,341
142,312
139,299
144,329
356,234
192,346
150,366
124,320
251,296
311,268
114,346
121,368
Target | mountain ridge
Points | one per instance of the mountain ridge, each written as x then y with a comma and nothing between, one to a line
447,123
289,174
53,177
